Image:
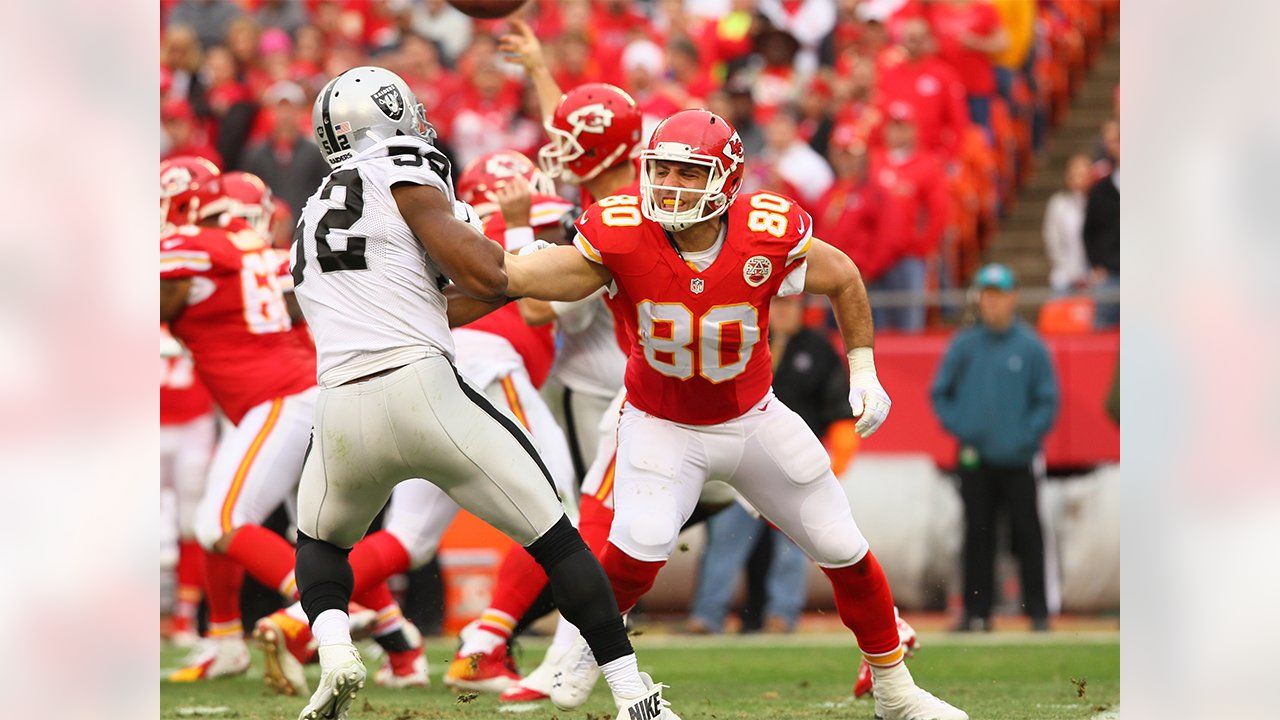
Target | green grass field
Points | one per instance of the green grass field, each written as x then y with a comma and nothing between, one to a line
995,677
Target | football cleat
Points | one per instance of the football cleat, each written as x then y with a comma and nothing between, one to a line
405,669
182,632
342,675
899,698
491,672
910,642
286,644
214,659
575,676
650,706
536,685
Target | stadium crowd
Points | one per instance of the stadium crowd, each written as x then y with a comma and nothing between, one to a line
904,127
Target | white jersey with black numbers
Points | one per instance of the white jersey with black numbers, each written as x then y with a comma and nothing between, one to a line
371,296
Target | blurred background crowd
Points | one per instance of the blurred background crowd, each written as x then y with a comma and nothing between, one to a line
927,139
912,131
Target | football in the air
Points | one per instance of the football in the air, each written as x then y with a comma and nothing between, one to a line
487,9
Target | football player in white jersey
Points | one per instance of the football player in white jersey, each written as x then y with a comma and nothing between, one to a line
373,252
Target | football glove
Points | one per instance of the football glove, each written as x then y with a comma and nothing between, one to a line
534,247
869,401
467,214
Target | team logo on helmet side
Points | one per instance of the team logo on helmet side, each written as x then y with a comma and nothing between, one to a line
593,118
505,166
175,180
390,101
734,151
757,269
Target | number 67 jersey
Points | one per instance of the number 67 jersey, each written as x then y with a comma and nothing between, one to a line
372,297
701,354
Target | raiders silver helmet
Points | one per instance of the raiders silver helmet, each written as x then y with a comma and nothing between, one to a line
362,107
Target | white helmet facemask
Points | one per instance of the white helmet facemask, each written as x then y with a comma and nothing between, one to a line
662,204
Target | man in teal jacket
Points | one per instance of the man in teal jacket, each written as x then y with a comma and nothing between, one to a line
997,394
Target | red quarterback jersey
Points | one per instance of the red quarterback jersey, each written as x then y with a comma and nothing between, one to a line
701,350
536,345
182,397
236,323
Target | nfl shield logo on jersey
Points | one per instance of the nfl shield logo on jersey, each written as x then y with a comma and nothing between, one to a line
390,101
757,270
695,286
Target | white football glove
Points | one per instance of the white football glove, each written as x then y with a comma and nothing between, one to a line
869,401
534,247
467,214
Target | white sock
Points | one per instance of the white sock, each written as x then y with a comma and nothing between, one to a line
332,627
896,674
296,612
566,633
480,641
623,676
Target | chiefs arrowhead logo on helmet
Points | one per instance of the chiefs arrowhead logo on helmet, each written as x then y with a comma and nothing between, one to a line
734,151
389,101
593,118
507,165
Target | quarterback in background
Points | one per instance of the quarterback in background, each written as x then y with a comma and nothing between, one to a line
699,265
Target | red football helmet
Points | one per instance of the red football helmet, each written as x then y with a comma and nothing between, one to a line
491,171
184,187
243,195
697,137
594,127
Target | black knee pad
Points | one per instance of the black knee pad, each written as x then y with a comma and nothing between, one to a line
324,576
556,544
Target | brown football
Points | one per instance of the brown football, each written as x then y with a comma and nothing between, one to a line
487,9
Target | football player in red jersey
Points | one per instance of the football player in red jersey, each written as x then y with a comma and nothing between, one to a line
221,295
187,433
698,265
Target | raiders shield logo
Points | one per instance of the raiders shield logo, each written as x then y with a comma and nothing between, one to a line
696,286
757,269
390,102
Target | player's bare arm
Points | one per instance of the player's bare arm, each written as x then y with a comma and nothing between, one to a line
554,273
523,48
833,274
173,298
537,312
463,310
472,261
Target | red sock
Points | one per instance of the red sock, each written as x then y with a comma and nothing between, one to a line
267,556
631,578
594,521
374,559
865,605
223,578
380,600
190,576
520,581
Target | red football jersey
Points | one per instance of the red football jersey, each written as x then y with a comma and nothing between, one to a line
701,350
182,397
624,315
536,345
236,324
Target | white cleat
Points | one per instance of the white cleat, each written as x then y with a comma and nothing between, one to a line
536,685
416,676
342,675
899,698
650,706
575,676
214,659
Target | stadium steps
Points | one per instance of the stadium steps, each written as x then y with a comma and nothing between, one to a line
1018,243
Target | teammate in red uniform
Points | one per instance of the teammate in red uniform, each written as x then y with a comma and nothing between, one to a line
699,265
220,292
187,433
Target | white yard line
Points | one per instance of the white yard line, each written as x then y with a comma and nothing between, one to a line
1112,714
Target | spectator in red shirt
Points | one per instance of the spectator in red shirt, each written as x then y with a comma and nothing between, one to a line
787,154
914,204
488,105
968,32
182,135
847,214
573,64
689,74
428,79
775,83
931,87
644,62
